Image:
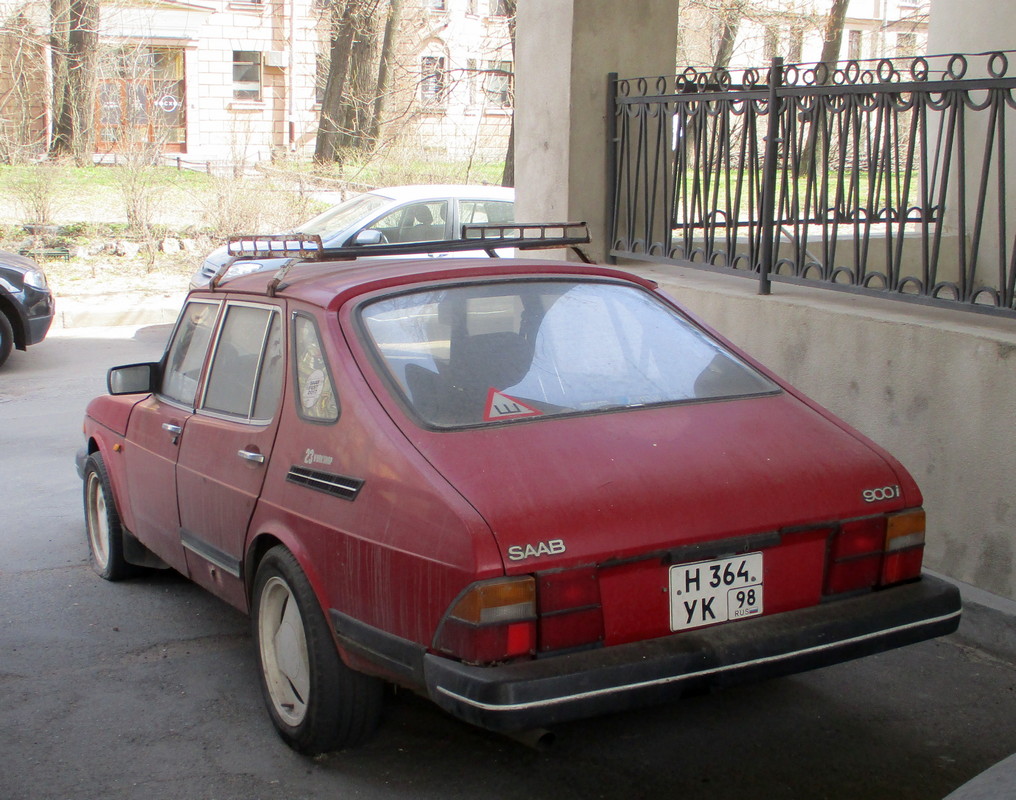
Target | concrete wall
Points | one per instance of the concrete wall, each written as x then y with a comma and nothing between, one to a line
936,388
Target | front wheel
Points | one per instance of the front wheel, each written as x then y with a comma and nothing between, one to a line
6,338
316,702
102,522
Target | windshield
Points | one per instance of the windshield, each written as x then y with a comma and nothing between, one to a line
347,213
498,352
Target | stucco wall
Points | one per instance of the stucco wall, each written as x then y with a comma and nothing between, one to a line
936,388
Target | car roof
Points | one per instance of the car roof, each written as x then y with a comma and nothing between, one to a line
429,191
329,284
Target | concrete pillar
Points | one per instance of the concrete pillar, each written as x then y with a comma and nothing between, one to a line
970,26
564,51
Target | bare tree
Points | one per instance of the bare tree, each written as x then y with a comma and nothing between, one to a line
384,71
833,36
22,78
347,17
76,46
508,175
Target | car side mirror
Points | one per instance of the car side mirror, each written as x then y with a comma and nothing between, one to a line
369,236
132,378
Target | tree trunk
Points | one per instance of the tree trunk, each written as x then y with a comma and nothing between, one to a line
74,129
508,175
833,37
361,82
384,72
326,146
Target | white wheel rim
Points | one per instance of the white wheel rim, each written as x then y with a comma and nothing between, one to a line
98,521
283,645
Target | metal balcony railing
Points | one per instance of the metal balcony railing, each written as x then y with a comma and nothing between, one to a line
887,177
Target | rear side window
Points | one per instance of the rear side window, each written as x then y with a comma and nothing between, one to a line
315,389
245,376
479,212
499,352
187,352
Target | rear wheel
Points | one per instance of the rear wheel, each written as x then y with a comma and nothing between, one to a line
102,522
316,702
6,338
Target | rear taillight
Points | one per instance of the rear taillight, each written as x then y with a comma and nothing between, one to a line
491,622
570,612
875,551
904,547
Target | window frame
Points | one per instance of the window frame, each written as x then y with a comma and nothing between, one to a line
191,404
257,62
274,312
433,80
294,358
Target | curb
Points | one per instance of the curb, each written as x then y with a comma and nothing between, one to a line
988,622
104,311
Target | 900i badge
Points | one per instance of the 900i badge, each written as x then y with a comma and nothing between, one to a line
880,493
552,547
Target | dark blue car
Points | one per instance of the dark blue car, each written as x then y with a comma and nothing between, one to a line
26,303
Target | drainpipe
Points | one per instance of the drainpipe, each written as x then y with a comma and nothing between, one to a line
291,78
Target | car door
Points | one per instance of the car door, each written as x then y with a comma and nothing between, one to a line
225,450
156,427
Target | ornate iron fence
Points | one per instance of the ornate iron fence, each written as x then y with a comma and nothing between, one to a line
883,177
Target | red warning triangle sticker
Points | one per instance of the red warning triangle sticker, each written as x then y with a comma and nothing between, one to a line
502,406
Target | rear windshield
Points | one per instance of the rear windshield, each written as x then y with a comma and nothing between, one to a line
499,352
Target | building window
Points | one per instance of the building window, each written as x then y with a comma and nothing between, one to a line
796,45
906,44
854,45
436,5
497,84
432,79
246,75
322,62
142,99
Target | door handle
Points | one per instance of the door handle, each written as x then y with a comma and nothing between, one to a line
254,458
169,427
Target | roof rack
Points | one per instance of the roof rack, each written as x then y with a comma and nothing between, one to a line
300,247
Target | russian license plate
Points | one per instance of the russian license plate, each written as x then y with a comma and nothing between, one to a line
708,592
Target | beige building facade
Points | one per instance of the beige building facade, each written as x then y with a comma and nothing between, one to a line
228,82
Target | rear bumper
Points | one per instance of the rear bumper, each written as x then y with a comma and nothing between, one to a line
547,691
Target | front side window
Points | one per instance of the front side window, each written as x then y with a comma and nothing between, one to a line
417,222
499,352
246,75
186,355
315,389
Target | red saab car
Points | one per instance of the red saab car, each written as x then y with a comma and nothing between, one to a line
532,490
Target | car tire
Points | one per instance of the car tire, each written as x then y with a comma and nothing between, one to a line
316,702
6,338
102,523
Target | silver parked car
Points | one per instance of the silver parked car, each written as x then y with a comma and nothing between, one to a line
397,215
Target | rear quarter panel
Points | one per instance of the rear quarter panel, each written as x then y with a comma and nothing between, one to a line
398,554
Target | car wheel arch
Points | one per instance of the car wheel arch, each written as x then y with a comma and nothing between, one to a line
264,541
96,443
19,325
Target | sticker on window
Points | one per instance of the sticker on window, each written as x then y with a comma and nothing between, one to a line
501,406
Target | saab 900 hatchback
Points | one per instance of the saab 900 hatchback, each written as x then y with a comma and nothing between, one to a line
532,490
